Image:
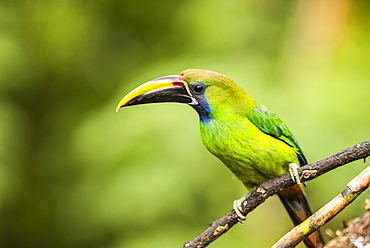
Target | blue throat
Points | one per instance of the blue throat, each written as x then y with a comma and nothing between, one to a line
203,109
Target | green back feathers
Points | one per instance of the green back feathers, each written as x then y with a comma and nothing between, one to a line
270,124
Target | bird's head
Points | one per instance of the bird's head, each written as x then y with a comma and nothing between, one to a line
211,94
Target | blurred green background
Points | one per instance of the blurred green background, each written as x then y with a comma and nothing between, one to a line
73,173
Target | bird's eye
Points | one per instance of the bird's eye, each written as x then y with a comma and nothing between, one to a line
198,88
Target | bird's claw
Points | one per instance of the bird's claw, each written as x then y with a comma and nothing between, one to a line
237,205
293,171
237,209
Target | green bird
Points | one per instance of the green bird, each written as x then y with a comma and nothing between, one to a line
248,138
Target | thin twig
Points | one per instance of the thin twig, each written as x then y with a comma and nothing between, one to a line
354,188
271,187
356,232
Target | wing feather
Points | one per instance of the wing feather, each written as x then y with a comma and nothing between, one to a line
269,123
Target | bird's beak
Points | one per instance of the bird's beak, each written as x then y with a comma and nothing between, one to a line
163,89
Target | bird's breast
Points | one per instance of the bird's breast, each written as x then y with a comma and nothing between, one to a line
250,154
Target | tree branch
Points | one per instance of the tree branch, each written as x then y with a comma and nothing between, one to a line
354,188
356,233
271,187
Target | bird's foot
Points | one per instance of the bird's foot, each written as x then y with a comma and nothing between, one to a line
238,208
293,171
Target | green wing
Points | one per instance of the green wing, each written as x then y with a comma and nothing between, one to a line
270,124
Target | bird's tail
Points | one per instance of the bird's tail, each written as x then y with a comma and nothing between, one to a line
295,203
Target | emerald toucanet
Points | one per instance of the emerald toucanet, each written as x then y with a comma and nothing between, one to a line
248,138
